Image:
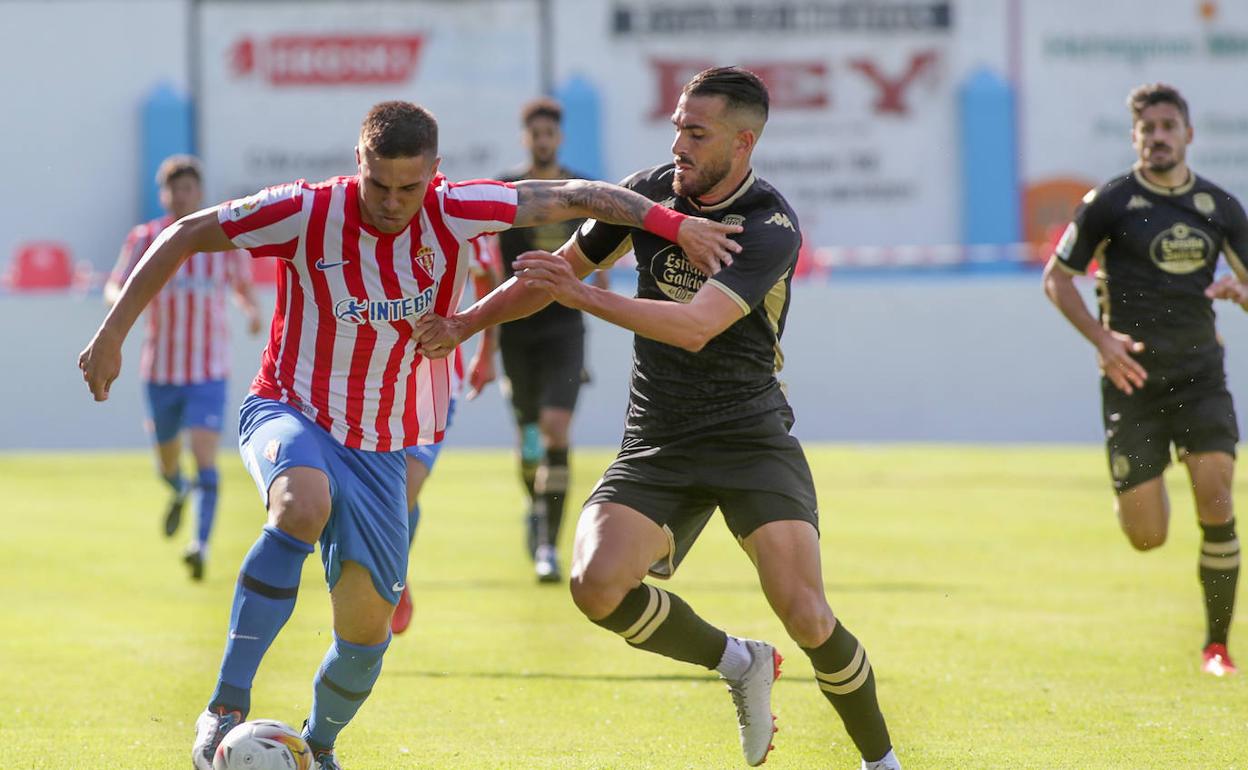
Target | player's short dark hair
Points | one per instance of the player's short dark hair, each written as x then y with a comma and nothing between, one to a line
542,107
178,166
1145,96
741,88
398,129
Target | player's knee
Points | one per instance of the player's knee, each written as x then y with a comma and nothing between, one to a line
1144,538
301,515
596,592
808,619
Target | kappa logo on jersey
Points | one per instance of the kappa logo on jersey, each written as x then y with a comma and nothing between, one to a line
424,260
1138,202
674,275
356,311
1181,249
781,220
327,60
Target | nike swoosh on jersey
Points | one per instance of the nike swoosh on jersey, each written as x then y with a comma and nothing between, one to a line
321,264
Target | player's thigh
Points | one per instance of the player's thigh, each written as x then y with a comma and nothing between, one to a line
165,407
290,461
204,444
651,481
1212,475
361,615
420,462
562,366
1137,437
368,523
615,547
521,378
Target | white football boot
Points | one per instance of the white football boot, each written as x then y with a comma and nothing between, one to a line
752,696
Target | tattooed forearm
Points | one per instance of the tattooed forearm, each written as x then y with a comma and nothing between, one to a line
543,201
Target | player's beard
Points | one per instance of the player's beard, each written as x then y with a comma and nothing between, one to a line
704,177
1164,166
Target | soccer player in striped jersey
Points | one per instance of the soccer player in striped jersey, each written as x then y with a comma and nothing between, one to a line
708,422
342,388
185,359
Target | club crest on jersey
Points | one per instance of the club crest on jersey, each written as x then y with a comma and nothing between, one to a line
1204,203
1181,249
424,260
356,311
674,275
733,219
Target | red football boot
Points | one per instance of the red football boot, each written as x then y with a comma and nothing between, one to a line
402,617
1217,661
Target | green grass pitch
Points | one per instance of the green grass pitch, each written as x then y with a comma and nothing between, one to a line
1009,623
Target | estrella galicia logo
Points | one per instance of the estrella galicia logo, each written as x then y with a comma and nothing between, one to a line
674,275
356,311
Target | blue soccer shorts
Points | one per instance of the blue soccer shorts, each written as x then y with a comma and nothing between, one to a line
368,490
427,454
170,408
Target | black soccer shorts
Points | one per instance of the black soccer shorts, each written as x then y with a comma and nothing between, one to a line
1187,405
543,372
751,469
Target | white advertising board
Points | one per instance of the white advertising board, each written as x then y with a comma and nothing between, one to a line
284,86
862,138
1081,60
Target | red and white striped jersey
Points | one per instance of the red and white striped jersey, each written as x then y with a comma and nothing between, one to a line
340,348
187,340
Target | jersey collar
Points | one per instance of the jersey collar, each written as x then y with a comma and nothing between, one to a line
1153,187
731,199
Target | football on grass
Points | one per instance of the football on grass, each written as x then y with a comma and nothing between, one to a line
263,744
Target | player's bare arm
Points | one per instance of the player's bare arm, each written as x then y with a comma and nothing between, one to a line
706,244
1115,350
1232,287
689,326
100,361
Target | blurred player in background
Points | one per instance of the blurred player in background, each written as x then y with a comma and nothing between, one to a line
421,458
342,388
1155,233
543,354
186,355
708,423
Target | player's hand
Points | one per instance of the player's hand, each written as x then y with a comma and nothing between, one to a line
254,325
706,244
480,372
437,336
1229,287
544,271
1115,354
100,363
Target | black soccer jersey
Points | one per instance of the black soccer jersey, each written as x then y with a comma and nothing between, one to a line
1157,249
734,375
554,319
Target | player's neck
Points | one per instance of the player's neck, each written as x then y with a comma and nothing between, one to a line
727,187
544,171
1177,176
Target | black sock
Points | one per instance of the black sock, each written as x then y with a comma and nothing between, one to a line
1219,573
657,621
845,676
528,475
551,483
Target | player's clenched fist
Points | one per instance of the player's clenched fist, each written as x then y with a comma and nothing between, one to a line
100,363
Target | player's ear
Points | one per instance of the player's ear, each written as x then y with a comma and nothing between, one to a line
358,162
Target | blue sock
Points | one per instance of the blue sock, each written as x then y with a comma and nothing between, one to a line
263,600
345,679
175,481
413,519
207,484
